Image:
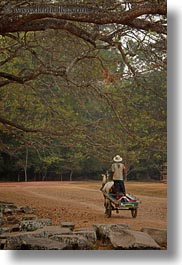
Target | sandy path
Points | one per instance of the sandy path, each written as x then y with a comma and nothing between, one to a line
82,202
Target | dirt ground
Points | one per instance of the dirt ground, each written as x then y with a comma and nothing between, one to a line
82,202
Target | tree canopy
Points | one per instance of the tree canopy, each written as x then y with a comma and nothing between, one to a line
81,82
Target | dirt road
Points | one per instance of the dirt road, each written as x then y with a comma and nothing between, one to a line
82,202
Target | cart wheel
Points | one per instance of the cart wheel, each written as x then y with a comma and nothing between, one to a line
108,210
134,212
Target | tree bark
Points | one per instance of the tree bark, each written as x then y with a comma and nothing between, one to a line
17,22
26,164
71,174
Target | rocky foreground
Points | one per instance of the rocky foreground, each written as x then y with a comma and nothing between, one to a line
21,229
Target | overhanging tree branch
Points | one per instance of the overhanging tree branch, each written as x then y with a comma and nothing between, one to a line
26,78
52,23
18,126
4,83
19,21
44,131
148,25
12,77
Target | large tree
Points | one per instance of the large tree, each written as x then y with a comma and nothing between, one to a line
82,79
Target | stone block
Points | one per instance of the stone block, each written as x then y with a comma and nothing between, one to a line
75,242
31,225
159,235
89,234
42,244
129,239
103,230
68,225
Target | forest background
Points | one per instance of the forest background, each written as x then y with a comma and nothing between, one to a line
78,87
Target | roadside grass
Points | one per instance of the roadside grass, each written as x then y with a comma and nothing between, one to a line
151,189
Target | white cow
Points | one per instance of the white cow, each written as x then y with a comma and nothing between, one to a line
106,185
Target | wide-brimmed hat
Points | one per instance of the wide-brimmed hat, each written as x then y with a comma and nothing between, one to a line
117,158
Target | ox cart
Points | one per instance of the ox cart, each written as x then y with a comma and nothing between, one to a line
118,202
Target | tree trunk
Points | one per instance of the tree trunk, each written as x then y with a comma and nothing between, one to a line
71,174
25,167
25,173
44,175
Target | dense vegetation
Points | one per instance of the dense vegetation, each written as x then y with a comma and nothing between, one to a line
78,88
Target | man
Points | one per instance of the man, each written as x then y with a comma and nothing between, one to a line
119,172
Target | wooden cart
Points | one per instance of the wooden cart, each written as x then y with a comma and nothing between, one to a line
125,202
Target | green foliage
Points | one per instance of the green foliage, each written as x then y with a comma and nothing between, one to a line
81,121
